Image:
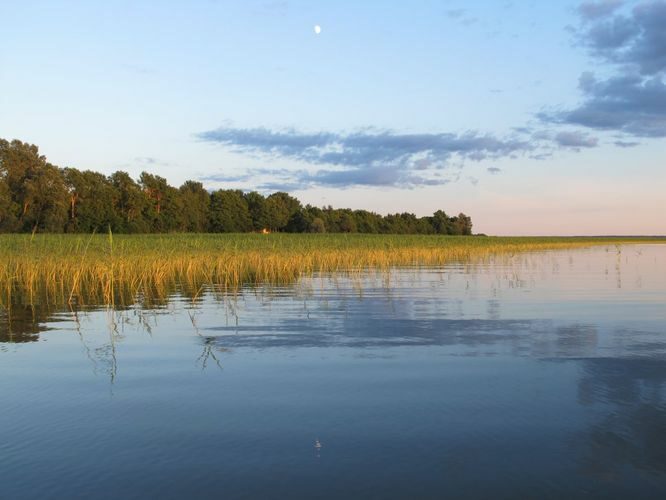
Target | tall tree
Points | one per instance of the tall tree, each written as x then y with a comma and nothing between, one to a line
196,206
462,224
229,212
37,188
165,207
45,201
91,201
367,222
347,223
8,221
441,222
18,161
259,210
281,207
317,225
131,204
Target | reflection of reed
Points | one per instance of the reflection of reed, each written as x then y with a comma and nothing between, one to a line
103,355
209,345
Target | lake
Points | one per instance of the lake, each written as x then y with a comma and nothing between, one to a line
528,376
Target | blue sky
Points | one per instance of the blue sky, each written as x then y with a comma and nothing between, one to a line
532,117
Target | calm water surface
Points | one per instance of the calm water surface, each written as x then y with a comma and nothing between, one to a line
536,376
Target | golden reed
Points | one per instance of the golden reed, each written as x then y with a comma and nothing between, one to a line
79,270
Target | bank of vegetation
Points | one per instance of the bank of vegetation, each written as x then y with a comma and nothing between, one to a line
36,196
110,269
106,266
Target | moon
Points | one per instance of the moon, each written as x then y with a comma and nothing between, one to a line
317,29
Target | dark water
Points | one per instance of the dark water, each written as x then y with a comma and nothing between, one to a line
538,376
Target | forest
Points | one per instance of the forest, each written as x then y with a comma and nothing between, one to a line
36,196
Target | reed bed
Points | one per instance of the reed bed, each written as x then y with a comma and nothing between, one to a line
119,270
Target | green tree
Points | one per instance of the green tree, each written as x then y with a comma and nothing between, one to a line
367,222
317,225
35,195
130,204
424,226
347,223
258,208
8,221
91,201
461,225
394,224
331,218
37,189
165,206
196,206
229,212
441,223
45,201
281,207
18,161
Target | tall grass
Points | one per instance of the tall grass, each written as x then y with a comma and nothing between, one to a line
110,269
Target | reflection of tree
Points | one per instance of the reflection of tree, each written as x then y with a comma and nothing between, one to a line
632,396
566,341
24,323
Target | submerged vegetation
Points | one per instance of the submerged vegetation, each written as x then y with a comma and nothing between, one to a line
120,270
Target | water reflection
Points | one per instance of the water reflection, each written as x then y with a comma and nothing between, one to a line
543,374
630,397
25,323
547,305
209,344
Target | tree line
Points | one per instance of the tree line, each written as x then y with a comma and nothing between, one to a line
38,196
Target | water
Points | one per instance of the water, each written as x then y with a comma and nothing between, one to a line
535,376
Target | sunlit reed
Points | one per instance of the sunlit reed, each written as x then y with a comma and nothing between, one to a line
118,270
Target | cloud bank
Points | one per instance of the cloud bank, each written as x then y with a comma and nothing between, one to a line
633,100
365,158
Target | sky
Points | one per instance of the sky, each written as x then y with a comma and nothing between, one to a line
531,117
